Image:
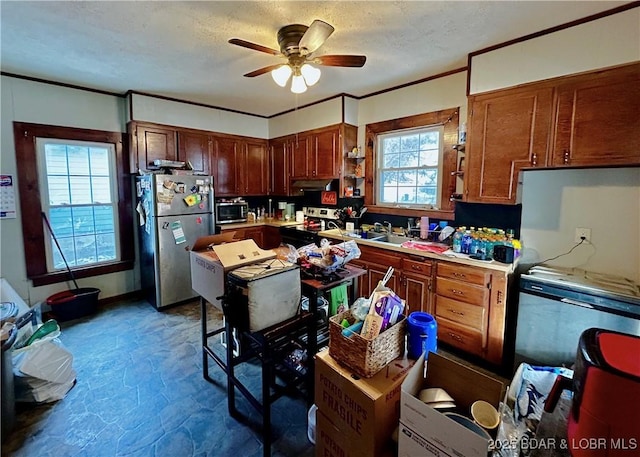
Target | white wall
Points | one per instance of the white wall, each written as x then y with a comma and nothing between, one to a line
28,101
309,118
187,115
609,41
556,202
437,94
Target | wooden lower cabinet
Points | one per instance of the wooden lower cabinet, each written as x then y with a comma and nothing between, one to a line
470,308
272,237
254,233
468,302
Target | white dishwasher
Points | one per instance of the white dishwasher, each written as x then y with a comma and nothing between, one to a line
557,304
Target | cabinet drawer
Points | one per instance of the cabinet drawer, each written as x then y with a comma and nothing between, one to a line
461,337
458,290
380,257
462,273
463,313
417,266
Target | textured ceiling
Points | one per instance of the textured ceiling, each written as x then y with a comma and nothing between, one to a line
181,50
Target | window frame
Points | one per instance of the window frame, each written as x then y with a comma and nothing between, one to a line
379,170
33,227
449,119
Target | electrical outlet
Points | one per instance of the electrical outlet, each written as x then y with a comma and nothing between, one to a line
581,233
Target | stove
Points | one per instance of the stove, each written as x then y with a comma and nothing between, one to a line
301,234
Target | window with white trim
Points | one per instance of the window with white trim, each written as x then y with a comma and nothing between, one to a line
409,168
79,196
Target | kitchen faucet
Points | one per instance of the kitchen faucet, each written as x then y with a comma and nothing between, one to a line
389,228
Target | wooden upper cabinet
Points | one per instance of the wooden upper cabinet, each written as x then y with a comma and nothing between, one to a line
598,119
225,156
324,158
253,168
509,130
149,143
278,167
299,147
195,148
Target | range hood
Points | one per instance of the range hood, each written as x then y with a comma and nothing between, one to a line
311,184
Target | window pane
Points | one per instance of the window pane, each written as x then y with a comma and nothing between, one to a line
106,244
410,143
58,188
56,159
104,219
83,220
408,164
60,220
80,190
85,250
101,189
67,246
78,160
99,161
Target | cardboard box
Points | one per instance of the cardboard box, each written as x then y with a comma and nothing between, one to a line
331,442
211,261
362,410
424,431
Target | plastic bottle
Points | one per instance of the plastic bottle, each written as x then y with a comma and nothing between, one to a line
457,240
466,241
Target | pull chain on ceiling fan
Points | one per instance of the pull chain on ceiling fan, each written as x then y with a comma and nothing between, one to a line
297,44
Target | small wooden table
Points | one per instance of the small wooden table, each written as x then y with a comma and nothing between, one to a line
346,274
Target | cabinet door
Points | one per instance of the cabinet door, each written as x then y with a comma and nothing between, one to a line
324,159
272,237
377,272
598,119
254,168
278,168
154,143
299,156
416,290
363,280
225,180
509,130
195,148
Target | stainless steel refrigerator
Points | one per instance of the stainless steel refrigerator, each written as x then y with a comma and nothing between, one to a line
173,212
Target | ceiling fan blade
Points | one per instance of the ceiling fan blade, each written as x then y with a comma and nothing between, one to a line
255,47
263,70
315,36
340,61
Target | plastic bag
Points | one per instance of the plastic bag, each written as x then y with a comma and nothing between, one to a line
43,371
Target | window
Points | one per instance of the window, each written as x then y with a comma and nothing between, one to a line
79,196
409,165
77,178
411,160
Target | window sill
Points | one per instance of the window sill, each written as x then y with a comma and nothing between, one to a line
447,215
61,276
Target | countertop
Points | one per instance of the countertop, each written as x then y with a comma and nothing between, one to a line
336,234
449,256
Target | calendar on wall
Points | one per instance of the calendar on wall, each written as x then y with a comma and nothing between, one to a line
7,197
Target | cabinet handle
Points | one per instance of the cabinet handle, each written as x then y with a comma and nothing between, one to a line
456,337
416,267
460,275
534,159
565,158
455,312
456,292
499,299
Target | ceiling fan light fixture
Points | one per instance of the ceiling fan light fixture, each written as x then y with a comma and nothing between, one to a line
281,75
298,85
311,74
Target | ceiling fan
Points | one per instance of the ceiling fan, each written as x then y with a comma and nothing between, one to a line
297,45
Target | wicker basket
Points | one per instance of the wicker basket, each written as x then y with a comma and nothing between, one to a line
365,357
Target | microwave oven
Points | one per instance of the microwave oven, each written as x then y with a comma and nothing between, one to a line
229,212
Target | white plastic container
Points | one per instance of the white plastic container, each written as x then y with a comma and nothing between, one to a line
311,428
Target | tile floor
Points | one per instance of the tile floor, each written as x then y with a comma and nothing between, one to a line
140,392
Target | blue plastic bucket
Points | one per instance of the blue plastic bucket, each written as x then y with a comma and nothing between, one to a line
422,335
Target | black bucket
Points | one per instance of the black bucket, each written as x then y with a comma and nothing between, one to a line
74,304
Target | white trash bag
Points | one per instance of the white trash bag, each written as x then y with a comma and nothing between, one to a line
43,371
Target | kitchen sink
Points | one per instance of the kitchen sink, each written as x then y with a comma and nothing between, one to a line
391,238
